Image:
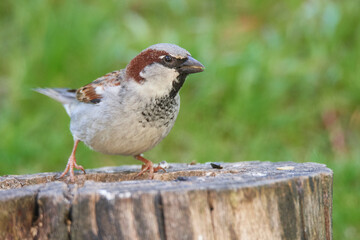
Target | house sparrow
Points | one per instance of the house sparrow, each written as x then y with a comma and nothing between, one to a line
129,111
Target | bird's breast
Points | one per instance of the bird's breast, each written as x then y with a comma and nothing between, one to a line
160,112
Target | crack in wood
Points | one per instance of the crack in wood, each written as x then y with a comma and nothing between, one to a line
159,211
68,195
36,218
211,209
300,190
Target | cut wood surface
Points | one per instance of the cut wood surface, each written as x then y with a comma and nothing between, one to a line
245,200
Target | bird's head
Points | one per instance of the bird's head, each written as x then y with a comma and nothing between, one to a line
161,69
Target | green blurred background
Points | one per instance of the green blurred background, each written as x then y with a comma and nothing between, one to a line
282,82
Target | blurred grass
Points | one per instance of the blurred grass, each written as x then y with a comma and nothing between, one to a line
281,82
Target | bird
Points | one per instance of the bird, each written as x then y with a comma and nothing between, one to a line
129,111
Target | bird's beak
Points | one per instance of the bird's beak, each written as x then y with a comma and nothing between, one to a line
191,65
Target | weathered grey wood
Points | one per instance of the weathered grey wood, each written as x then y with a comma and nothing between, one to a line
247,200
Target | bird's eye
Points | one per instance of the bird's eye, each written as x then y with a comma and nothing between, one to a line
168,58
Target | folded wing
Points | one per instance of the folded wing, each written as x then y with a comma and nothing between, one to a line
92,92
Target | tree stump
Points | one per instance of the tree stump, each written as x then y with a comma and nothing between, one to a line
245,200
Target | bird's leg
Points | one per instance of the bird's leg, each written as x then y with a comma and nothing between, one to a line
72,164
148,166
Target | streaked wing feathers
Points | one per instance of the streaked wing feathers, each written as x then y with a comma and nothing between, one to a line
92,92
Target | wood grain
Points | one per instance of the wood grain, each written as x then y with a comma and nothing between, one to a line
245,200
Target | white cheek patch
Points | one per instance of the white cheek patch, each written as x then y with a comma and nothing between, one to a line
158,73
158,80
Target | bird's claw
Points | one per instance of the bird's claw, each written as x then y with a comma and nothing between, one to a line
148,166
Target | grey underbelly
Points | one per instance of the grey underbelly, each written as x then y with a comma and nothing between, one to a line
127,131
131,140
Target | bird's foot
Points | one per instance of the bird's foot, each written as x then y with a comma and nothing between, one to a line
70,167
148,166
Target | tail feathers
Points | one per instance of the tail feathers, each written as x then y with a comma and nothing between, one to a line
63,95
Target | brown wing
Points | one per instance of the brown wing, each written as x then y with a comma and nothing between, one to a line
92,92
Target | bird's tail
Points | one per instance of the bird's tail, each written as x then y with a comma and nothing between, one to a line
63,95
